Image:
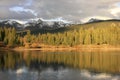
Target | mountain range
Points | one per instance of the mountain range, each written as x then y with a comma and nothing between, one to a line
33,24
42,24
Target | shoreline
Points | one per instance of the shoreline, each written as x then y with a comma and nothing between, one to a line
75,48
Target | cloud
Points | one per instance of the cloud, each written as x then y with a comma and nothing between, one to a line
5,13
56,19
73,9
22,9
115,9
8,3
28,3
68,9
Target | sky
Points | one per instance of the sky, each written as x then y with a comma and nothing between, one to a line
72,10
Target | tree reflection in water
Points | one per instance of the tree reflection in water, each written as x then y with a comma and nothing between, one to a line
37,60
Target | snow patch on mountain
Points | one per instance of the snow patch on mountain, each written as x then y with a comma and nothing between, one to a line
36,23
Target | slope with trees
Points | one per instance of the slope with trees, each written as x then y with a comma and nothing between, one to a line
84,34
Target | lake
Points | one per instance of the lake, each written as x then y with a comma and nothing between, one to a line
58,65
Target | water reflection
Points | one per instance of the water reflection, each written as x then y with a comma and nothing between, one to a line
37,65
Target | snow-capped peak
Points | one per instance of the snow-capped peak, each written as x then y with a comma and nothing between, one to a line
59,19
10,21
35,23
94,20
19,21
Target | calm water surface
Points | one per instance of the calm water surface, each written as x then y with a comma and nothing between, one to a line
37,65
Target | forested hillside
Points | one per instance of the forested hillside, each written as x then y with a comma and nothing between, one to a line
99,33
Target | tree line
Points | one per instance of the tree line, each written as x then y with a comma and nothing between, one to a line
82,36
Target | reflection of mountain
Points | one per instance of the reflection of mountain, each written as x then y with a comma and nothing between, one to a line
100,62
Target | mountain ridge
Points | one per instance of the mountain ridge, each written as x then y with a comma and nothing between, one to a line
47,25
32,23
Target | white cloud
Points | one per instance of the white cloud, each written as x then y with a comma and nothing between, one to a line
115,9
22,9
56,19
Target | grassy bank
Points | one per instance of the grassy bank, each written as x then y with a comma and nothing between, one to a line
68,48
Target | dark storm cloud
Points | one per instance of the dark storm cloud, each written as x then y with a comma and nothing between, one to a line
68,9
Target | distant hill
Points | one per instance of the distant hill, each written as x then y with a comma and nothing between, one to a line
39,26
101,24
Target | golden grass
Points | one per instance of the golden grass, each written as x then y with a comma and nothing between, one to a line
74,48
